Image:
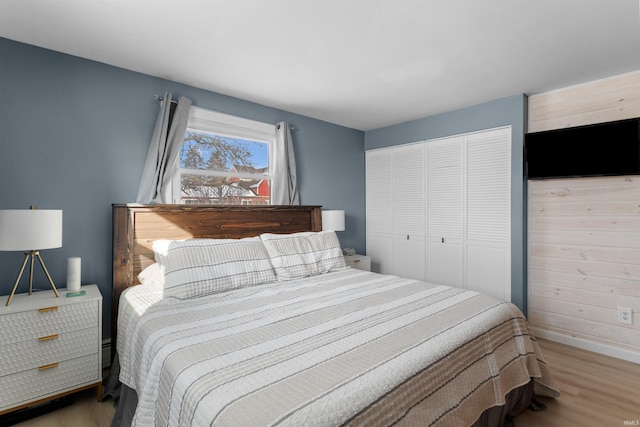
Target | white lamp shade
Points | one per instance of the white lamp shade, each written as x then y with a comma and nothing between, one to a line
333,220
30,229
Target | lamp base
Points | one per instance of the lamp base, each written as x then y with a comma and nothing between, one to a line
31,255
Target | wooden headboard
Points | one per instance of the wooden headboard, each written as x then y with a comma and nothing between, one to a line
136,226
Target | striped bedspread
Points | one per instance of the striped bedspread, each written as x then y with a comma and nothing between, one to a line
343,348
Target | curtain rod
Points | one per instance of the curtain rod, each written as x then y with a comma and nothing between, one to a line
160,98
173,101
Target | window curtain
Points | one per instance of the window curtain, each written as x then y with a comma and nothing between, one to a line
164,148
284,187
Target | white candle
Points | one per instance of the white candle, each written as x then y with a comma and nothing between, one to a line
73,273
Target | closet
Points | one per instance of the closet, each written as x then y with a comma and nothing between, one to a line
440,210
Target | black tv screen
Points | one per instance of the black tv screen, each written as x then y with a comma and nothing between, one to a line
603,149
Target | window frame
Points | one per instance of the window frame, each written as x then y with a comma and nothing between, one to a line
226,125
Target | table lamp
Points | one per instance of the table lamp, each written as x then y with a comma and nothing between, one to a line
30,230
333,220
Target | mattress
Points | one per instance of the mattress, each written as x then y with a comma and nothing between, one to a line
343,348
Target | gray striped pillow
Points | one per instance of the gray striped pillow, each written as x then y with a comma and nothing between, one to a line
199,267
328,253
299,255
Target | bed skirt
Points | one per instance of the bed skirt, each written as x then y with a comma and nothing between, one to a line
517,400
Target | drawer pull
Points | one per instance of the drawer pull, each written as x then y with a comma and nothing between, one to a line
48,337
357,260
45,309
49,366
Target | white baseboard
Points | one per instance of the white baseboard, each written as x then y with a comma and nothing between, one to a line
607,350
106,353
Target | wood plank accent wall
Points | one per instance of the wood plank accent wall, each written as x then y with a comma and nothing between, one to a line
584,258
584,233
606,100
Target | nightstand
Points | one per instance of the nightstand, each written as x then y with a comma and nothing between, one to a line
361,262
51,347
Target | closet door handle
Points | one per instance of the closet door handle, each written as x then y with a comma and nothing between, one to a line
443,240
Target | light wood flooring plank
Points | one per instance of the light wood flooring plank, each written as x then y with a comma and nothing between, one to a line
597,390
86,411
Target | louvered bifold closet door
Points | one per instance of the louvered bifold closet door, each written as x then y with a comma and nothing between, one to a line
409,210
488,212
379,207
445,211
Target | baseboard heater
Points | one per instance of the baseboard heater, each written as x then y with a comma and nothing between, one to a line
106,353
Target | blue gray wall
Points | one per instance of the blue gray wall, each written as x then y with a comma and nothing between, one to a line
502,112
74,135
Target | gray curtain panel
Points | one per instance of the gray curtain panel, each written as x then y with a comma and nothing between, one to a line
284,185
164,148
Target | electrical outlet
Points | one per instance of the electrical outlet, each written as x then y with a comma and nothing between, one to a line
625,315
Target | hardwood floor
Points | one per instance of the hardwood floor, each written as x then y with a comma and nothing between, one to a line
597,391
86,411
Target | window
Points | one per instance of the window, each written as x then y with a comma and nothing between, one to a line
224,160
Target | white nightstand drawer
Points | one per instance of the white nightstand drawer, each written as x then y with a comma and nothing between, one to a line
361,262
35,384
54,319
49,346
49,349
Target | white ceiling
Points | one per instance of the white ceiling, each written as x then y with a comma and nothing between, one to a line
364,64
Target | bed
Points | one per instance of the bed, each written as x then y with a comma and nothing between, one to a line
291,336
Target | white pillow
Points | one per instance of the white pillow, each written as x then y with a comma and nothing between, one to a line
151,275
299,255
199,267
326,248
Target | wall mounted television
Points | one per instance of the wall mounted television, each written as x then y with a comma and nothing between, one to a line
603,149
